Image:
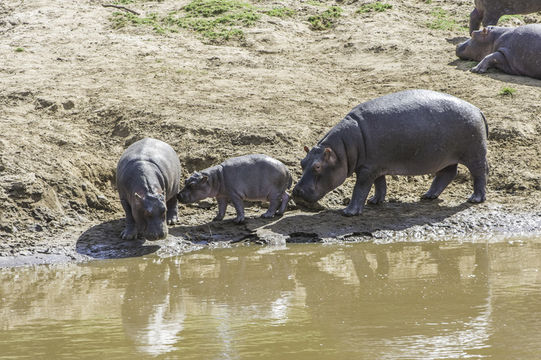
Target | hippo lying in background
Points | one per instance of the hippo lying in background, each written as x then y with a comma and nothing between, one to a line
515,51
147,178
411,132
249,177
489,11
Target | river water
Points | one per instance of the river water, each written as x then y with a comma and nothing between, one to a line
438,300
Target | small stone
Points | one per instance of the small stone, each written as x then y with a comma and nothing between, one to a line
68,105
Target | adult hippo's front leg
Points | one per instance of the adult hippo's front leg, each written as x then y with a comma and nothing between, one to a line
363,183
496,60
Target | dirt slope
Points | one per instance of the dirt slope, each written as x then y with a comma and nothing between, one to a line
74,92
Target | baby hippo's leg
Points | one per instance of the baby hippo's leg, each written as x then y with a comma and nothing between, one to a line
285,200
130,232
239,207
222,205
274,203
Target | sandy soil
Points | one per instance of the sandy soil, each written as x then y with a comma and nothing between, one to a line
80,91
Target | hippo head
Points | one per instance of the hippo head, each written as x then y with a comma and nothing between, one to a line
322,172
196,187
479,46
149,213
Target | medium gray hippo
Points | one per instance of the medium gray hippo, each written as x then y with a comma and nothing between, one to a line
411,132
148,179
249,177
489,11
516,51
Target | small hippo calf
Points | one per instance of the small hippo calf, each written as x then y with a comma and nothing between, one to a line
516,51
489,11
148,179
249,177
411,132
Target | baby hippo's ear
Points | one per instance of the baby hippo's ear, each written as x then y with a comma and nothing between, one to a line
204,179
306,149
329,155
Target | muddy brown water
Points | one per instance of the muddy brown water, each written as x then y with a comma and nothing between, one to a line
428,300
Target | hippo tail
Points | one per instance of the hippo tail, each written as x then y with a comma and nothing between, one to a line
289,180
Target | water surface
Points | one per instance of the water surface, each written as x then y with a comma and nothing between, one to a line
444,300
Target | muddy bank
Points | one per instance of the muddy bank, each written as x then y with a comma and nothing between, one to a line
76,91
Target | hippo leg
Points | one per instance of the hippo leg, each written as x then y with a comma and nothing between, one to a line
239,207
360,192
172,211
130,231
440,182
285,200
479,171
475,20
497,60
222,205
491,18
380,186
274,203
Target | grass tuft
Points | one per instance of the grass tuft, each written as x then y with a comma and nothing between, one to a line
507,91
325,20
373,7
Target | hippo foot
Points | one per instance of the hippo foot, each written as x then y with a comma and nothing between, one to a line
267,215
218,218
476,199
352,211
128,234
478,69
238,220
429,196
173,220
374,200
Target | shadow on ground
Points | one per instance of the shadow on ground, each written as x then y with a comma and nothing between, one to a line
301,227
103,242
466,65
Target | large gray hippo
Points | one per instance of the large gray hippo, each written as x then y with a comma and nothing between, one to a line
489,11
147,178
411,132
248,177
515,51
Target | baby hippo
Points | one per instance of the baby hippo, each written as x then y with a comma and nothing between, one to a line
249,177
516,51
147,178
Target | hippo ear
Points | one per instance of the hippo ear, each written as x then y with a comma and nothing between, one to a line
204,179
306,149
329,155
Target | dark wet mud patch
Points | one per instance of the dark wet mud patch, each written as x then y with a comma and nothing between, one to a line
103,241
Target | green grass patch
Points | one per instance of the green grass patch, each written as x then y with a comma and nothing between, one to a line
509,18
281,12
373,7
441,20
214,20
325,20
19,49
507,91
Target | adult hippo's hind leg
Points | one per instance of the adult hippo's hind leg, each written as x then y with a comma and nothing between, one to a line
285,200
172,211
380,189
475,20
440,182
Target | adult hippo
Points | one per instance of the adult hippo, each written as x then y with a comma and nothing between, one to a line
147,178
516,51
489,12
411,132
